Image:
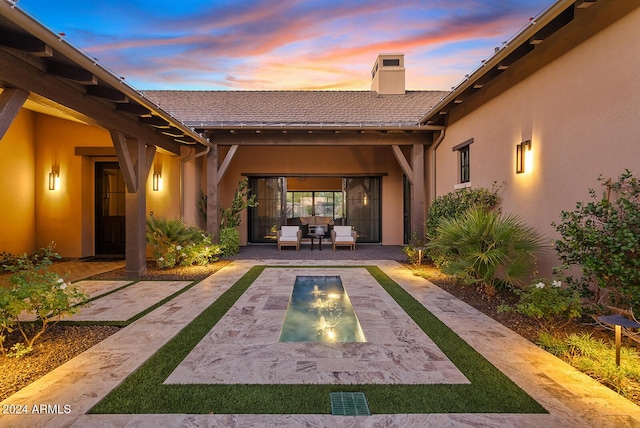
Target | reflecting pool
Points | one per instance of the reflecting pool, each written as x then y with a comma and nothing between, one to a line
320,311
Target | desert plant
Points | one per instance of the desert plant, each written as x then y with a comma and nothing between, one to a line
230,241
229,236
597,359
487,247
173,243
452,205
601,237
551,305
241,201
413,248
35,290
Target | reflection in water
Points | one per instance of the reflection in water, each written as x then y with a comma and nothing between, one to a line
320,311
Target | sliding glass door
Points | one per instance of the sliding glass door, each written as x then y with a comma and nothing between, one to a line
358,204
268,216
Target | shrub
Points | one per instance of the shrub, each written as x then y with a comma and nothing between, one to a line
487,247
230,241
452,205
601,237
412,250
173,243
551,305
35,290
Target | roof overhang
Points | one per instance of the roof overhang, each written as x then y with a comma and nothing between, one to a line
541,27
61,78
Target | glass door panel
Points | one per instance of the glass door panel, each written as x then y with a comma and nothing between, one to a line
364,209
268,216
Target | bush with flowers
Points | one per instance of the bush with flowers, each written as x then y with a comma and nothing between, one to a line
173,244
549,303
35,290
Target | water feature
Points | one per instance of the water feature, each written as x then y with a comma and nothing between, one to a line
320,311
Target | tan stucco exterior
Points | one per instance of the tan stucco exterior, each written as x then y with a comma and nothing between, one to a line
581,114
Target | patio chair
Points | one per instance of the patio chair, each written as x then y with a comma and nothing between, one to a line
289,236
343,236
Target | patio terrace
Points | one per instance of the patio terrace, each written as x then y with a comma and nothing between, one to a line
570,397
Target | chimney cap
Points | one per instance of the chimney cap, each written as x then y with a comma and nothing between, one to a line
388,74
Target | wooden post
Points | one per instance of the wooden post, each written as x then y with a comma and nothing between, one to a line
417,191
213,199
135,163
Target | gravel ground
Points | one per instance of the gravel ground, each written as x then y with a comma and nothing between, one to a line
61,343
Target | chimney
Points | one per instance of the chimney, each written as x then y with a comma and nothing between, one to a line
387,75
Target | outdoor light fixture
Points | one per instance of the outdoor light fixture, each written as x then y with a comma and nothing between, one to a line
520,155
618,321
156,181
54,180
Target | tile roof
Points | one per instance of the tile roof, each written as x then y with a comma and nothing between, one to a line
211,109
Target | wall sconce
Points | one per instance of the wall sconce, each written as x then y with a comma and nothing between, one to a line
520,155
157,180
54,180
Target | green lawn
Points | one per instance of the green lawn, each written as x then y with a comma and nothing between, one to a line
143,392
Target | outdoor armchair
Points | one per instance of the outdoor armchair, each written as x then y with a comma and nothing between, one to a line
289,236
343,236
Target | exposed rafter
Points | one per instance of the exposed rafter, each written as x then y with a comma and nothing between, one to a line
76,74
24,43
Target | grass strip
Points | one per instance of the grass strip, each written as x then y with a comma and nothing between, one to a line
490,391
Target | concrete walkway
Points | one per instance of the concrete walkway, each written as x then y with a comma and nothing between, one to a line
67,393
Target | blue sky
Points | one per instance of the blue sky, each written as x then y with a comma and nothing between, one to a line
284,44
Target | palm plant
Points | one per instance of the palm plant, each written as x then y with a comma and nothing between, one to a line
482,246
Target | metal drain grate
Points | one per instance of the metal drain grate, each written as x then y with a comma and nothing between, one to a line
349,404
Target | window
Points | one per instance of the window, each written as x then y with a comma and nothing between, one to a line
391,63
326,204
464,164
464,161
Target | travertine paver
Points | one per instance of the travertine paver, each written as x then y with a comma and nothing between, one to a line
244,345
122,304
572,399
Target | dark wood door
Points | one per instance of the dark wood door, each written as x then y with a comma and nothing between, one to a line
110,209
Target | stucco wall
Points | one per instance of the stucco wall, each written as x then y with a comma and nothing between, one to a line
59,212
580,112
17,166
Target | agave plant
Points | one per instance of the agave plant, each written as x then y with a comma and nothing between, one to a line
482,246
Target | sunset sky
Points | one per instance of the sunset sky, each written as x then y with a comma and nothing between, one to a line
284,44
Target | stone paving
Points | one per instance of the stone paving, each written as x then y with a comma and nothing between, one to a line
571,398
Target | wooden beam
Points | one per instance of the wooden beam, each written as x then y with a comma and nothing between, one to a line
133,108
227,161
155,121
76,74
213,182
11,101
25,43
125,150
406,168
108,94
93,152
17,74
